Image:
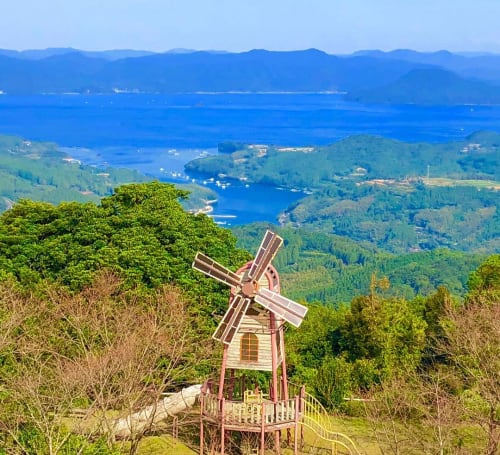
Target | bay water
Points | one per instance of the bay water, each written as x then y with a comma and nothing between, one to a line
157,134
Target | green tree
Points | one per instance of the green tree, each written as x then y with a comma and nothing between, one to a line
484,283
435,311
388,331
141,233
333,382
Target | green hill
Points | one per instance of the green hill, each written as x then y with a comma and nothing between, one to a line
401,197
358,158
40,171
332,269
430,87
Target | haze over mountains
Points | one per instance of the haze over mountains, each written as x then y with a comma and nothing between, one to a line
401,76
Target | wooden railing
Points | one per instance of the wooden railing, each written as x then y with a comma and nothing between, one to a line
304,408
241,413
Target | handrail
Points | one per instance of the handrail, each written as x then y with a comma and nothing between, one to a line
315,417
312,415
241,413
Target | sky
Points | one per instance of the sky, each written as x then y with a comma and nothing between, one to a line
334,26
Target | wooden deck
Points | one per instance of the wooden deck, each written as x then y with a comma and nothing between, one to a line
244,416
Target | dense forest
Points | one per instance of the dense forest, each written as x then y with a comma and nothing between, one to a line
430,196
101,312
327,268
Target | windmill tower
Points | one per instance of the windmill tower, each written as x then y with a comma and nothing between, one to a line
252,334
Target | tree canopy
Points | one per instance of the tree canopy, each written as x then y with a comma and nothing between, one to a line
141,232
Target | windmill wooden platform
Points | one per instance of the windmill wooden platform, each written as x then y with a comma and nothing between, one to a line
252,332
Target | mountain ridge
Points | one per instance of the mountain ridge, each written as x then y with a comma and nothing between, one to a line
255,70
363,74
429,87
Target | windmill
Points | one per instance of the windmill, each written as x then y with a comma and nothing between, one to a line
251,332
247,287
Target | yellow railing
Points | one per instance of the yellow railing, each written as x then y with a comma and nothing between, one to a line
315,417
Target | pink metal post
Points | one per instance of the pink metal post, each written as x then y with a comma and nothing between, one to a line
222,429
274,362
296,431
223,373
262,431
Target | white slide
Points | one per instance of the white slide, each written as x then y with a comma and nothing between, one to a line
168,406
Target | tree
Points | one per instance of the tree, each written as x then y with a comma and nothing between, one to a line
435,310
472,346
105,351
389,331
333,382
141,233
484,283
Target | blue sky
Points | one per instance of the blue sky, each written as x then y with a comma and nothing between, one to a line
335,26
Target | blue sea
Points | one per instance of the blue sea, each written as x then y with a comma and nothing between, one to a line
158,134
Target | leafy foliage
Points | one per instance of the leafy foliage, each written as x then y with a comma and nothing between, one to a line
141,232
332,269
349,350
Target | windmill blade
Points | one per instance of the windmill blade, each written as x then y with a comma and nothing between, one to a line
270,245
287,309
213,269
231,321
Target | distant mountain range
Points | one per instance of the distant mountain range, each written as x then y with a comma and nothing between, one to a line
39,54
402,76
117,54
431,86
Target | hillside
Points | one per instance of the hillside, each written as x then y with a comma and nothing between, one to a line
430,87
331,269
360,158
102,314
397,196
40,171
